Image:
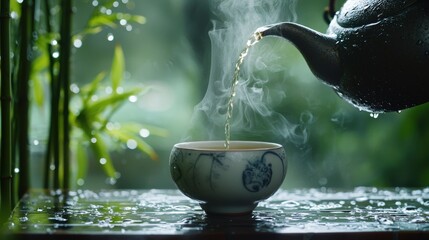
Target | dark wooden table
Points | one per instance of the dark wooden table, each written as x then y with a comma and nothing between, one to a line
361,213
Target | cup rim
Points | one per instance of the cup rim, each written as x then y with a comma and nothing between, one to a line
235,145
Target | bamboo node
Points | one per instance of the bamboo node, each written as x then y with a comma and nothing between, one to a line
5,98
5,16
6,177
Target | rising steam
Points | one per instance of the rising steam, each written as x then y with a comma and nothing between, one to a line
253,114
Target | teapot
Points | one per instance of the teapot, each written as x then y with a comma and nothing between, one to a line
375,53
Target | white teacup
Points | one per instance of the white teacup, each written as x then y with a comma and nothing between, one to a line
228,181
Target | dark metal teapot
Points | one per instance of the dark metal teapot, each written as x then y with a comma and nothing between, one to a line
375,53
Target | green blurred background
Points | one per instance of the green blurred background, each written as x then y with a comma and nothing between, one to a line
171,52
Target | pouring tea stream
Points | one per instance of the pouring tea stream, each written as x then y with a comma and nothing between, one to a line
375,54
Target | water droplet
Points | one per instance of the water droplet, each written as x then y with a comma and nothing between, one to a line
80,182
418,220
132,98
290,204
14,15
94,98
58,219
111,181
16,170
77,43
93,140
36,142
120,90
11,225
153,220
144,133
416,192
115,4
103,161
110,37
108,90
373,115
129,28
23,219
384,220
419,42
181,208
95,3
131,144
55,54
123,22
361,199
74,88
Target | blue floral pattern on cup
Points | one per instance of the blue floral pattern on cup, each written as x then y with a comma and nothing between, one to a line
258,174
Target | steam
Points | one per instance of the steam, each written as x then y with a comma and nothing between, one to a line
254,115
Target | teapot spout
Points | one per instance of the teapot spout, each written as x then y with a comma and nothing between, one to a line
319,50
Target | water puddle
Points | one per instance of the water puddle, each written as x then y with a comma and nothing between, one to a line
170,212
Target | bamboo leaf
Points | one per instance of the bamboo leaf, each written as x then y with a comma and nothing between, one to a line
82,161
131,18
125,136
40,63
43,40
109,101
118,67
88,90
38,66
91,30
15,6
38,91
136,127
101,151
102,20
138,19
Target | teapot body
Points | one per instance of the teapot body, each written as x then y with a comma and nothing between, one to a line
384,61
375,53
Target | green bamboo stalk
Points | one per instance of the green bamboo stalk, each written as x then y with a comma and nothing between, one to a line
53,149
22,103
55,95
6,105
55,116
65,56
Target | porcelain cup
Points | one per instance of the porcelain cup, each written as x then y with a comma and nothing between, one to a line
228,181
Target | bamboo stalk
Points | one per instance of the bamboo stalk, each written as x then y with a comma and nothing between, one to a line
53,125
6,104
53,149
22,99
65,55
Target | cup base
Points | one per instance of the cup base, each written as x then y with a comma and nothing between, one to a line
236,210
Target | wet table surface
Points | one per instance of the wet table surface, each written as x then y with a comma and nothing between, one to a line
360,213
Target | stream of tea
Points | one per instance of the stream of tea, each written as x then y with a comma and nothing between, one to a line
235,79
